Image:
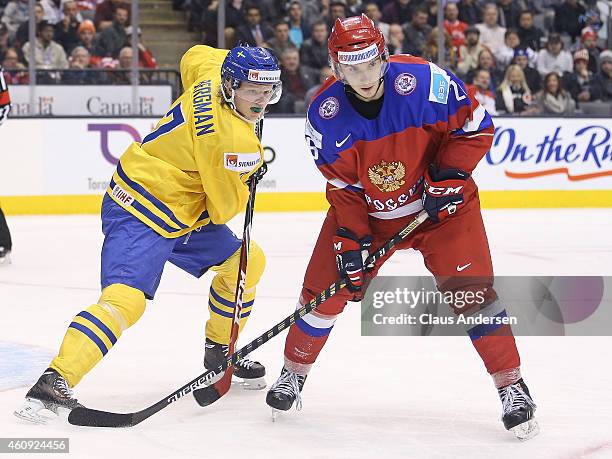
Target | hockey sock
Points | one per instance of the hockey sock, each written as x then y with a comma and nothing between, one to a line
94,331
223,293
306,339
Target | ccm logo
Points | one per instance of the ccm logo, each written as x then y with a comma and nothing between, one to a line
437,191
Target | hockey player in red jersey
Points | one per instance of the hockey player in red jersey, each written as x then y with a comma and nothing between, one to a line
5,236
394,136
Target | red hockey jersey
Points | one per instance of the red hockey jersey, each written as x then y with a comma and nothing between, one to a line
375,168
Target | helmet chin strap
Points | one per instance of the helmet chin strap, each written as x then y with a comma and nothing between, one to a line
230,99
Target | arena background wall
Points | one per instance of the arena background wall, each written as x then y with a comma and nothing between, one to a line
62,165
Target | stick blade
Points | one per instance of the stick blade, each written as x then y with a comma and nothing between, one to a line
207,395
88,417
210,394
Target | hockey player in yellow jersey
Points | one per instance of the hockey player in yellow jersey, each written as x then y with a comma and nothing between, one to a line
169,200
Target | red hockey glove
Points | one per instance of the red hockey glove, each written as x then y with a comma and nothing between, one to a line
443,191
351,254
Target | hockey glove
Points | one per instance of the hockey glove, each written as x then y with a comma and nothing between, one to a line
443,191
259,173
351,254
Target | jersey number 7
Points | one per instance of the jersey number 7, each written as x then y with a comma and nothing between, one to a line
176,119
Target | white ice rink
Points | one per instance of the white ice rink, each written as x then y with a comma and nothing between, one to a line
367,397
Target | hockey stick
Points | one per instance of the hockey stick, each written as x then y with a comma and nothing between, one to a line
95,418
210,394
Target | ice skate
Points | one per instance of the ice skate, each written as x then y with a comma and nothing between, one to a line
5,256
250,374
518,410
51,392
286,391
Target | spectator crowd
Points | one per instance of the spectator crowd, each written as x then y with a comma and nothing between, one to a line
519,57
77,42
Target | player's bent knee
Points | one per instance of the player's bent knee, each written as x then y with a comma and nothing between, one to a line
126,304
256,266
472,298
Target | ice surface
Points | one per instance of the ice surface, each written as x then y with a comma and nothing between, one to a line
367,397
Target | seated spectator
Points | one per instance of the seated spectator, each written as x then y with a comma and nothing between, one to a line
23,31
491,33
315,10
454,26
87,9
324,74
602,82
254,32
105,13
397,12
121,74
567,18
48,53
417,31
313,52
14,71
111,39
297,80
80,69
522,58
486,61
468,53
372,11
4,40
15,14
506,52
66,30
145,57
431,6
298,30
397,43
508,12
280,41
86,35
554,58
52,10
354,8
553,99
588,39
482,90
234,12
579,82
529,34
592,17
513,95
469,12
430,51
337,10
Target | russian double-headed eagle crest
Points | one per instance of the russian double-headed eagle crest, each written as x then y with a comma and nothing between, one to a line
387,176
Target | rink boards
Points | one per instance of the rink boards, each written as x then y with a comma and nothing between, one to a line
62,165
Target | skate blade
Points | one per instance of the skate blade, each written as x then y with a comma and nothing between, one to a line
250,384
5,261
526,430
275,414
30,411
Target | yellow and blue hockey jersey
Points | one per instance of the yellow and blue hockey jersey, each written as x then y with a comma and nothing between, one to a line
192,169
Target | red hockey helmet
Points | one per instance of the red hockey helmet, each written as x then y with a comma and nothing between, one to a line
354,41
353,34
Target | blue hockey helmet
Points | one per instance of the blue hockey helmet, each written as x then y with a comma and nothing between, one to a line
253,65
